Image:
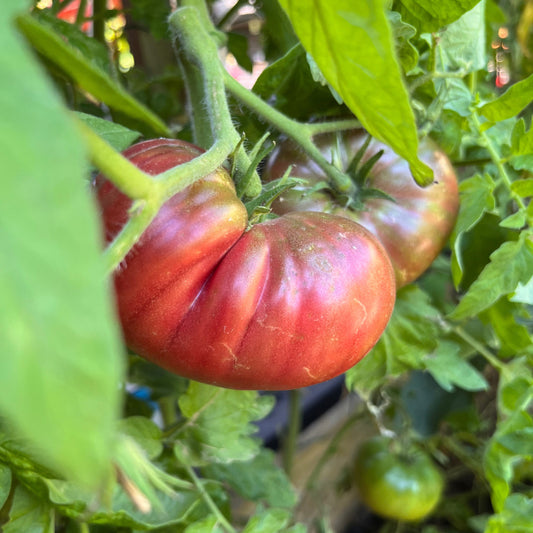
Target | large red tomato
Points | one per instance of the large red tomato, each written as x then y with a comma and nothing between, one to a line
288,303
413,227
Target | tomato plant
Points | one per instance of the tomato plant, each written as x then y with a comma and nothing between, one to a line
134,307
399,484
292,301
412,222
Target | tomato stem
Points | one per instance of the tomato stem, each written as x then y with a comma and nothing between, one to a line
124,174
129,235
480,348
203,76
497,160
298,132
208,500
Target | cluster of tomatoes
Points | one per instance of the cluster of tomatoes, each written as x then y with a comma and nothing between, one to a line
287,302
291,301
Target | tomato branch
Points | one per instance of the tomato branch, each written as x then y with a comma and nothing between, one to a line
124,174
208,500
497,160
298,132
203,74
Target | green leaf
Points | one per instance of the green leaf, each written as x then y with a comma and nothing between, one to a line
515,221
29,514
498,460
523,187
116,135
173,508
268,521
522,156
430,16
504,317
259,479
515,395
515,516
5,484
523,293
476,198
288,84
238,46
86,74
353,46
219,425
403,33
511,102
449,369
207,525
462,43
510,264
145,433
61,350
412,333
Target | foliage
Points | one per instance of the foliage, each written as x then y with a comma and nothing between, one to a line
79,449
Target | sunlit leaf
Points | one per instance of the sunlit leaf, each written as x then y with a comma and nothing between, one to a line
353,46
511,102
429,15
61,349
509,265
219,427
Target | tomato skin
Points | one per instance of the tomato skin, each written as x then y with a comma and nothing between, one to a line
413,229
291,302
405,486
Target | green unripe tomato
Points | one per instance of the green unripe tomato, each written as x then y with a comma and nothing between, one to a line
399,485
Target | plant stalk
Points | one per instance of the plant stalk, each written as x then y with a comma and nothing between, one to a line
298,132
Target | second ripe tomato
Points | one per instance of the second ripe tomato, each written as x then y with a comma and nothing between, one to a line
413,223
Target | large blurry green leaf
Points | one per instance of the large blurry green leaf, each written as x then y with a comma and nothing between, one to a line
429,15
353,46
60,364
86,73
510,264
219,425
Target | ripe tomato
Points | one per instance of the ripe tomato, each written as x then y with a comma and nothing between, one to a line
288,303
413,227
398,485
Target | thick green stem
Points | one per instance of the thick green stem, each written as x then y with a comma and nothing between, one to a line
298,132
125,175
203,73
129,235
